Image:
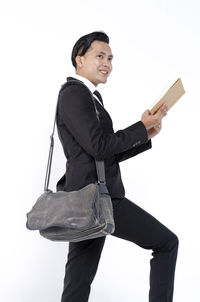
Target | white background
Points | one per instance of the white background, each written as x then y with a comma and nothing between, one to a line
153,43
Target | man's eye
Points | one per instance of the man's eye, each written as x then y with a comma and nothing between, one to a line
100,56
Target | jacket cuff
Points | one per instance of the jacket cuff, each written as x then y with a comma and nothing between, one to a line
140,135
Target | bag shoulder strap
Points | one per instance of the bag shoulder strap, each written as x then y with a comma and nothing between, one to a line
99,164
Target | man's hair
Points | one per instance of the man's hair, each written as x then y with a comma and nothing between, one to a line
82,45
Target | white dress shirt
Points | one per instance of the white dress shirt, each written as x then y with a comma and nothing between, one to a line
89,84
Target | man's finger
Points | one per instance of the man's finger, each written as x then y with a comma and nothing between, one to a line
164,108
162,111
158,128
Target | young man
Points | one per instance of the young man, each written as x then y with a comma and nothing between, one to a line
84,138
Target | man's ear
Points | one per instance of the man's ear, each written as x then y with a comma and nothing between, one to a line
79,61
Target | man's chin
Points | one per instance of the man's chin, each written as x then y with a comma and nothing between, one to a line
103,81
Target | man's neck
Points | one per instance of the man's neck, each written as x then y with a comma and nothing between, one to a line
87,82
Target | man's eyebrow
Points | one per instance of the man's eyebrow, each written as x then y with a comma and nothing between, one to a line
103,53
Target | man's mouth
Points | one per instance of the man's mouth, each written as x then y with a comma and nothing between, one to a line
104,72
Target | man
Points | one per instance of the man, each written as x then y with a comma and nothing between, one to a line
83,139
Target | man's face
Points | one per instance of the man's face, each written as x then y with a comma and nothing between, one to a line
96,64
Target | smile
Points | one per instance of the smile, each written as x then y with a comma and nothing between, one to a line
104,72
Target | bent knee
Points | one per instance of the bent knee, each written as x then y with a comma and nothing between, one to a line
176,240
173,241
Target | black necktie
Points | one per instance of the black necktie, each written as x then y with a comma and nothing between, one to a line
96,92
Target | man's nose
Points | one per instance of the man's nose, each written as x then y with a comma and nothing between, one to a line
107,63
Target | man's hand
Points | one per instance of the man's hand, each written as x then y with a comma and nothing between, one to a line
154,131
153,122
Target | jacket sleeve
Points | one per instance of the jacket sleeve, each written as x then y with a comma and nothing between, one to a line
76,110
133,151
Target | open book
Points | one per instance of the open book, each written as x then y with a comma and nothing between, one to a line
172,95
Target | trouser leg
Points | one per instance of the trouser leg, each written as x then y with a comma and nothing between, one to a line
136,225
81,267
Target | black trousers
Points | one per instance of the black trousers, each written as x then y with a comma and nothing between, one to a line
134,224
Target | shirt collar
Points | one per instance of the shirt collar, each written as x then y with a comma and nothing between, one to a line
89,84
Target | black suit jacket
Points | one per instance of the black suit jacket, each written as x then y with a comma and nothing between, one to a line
84,139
